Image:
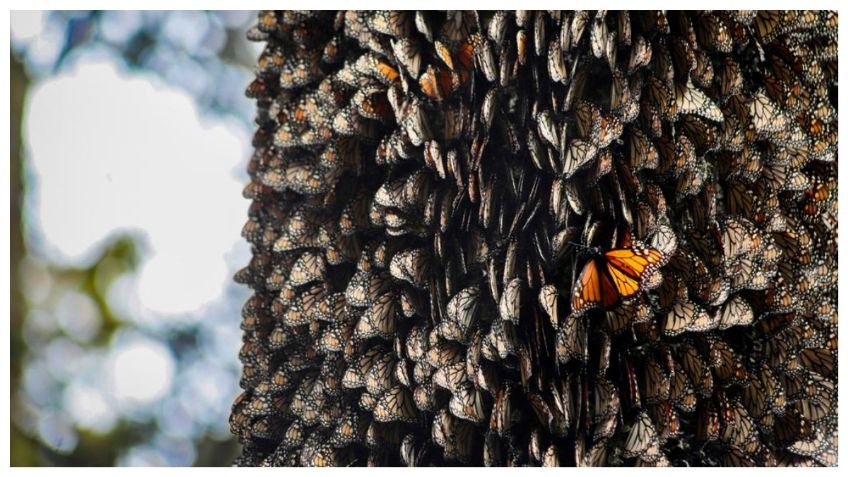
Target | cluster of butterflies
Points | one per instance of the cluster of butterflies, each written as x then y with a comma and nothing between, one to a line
542,238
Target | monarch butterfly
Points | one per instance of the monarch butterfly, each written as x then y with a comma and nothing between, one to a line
438,83
444,54
655,382
739,237
606,402
765,116
683,58
319,454
521,41
691,182
444,353
607,130
372,102
729,80
540,32
500,342
411,451
364,287
461,315
643,154
497,27
330,411
598,34
452,377
414,122
735,312
310,299
631,310
484,54
578,155
726,363
396,404
738,428
822,447
687,316
681,392
336,336
818,397
739,201
738,457
605,348
623,27
572,340
380,376
749,274
351,428
587,115
383,435
442,428
467,403
306,403
712,32
640,54
500,420
354,376
545,414
768,24
423,21
671,154
417,343
819,360
765,394
578,26
510,301
602,167
667,420
547,128
458,437
556,65
613,275
391,193
697,370
660,97
549,301
704,136
623,102
642,440
458,25
354,215
690,100
551,456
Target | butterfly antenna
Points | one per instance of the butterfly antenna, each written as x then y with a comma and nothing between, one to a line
580,245
573,275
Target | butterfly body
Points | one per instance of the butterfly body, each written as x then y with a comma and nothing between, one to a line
613,275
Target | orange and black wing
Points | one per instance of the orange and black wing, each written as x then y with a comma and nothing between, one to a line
625,285
593,287
618,274
636,263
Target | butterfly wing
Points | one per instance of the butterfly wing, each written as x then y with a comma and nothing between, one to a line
625,285
636,263
618,276
592,288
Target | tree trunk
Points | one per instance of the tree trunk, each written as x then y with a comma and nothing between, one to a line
541,238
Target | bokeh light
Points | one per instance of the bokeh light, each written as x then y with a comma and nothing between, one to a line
126,132
134,136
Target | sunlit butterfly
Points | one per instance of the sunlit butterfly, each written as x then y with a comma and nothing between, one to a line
613,275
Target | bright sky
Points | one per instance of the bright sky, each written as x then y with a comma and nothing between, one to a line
112,152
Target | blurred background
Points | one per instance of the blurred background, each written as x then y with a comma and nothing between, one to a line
130,136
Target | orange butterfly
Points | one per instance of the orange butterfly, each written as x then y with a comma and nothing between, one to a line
617,273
